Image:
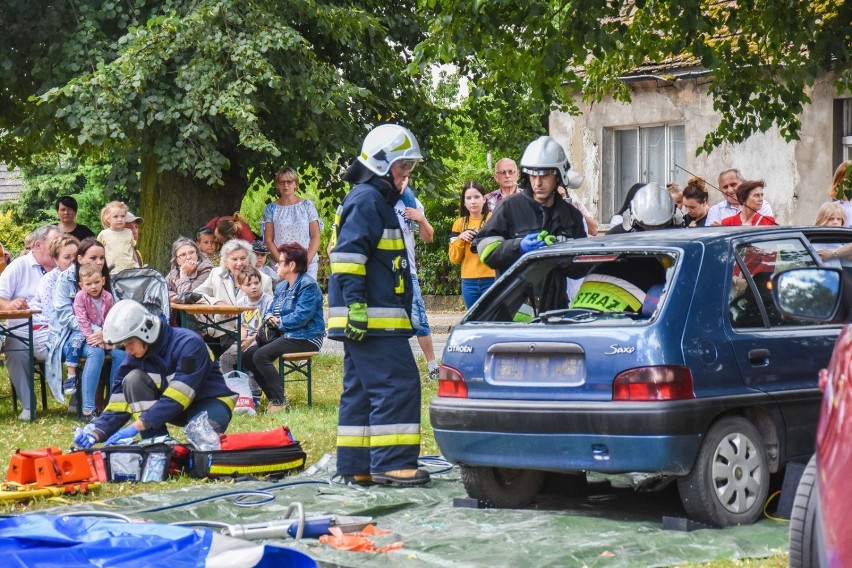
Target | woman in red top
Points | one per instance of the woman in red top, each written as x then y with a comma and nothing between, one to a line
750,196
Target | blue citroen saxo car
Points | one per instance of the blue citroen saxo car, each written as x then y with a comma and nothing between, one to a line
657,352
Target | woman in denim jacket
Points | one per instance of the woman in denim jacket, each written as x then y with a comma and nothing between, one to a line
297,312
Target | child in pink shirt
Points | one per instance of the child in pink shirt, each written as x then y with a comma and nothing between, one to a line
91,305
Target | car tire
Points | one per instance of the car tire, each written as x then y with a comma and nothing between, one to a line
503,488
804,538
729,481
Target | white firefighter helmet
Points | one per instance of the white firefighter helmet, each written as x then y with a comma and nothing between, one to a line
129,318
652,208
545,155
386,144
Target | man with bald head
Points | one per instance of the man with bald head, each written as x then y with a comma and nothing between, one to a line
729,181
506,176
18,287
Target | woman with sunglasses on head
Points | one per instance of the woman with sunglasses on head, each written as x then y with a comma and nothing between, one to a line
292,219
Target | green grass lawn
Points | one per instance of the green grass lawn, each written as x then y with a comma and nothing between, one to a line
314,427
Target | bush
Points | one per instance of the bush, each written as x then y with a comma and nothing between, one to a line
13,233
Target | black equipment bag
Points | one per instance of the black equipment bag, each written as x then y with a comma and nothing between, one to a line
142,463
270,453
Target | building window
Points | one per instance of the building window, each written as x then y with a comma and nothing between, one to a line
643,154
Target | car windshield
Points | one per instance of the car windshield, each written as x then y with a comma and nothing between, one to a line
580,288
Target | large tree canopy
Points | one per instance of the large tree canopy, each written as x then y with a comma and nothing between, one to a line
207,91
762,54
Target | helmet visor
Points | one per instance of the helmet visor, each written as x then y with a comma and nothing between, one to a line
405,166
539,171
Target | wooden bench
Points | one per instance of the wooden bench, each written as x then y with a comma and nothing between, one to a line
300,364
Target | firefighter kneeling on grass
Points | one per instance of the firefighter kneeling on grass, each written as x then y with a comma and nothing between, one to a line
167,377
369,297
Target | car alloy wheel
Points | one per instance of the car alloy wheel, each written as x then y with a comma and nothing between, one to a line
729,482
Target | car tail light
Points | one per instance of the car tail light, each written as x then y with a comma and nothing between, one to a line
653,383
451,383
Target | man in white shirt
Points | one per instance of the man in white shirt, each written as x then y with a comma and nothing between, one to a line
18,287
506,176
729,181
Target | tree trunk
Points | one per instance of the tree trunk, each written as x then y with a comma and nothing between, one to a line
173,204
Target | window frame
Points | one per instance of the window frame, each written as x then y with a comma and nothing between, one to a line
611,196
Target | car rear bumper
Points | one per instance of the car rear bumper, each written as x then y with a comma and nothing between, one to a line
660,437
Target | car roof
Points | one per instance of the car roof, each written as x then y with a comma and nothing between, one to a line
686,238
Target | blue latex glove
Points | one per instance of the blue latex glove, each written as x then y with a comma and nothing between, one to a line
531,242
126,432
84,440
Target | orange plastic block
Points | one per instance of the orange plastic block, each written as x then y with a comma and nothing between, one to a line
97,467
74,467
22,468
46,472
59,470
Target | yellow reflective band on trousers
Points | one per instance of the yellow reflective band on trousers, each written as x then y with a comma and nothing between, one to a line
230,401
353,436
117,406
380,435
395,440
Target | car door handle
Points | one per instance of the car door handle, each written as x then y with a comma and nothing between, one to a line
758,356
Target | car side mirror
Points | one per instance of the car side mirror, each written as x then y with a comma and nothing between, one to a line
812,294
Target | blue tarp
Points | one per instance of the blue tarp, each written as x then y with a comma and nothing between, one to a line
33,541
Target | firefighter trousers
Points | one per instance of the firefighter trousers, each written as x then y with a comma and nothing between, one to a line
379,423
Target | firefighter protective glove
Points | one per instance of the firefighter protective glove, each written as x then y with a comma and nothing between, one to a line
123,434
356,322
83,439
531,242
547,238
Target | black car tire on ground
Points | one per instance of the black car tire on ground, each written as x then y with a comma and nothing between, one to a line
804,538
729,481
503,488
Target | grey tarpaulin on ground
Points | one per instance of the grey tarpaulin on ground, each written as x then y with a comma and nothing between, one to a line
613,529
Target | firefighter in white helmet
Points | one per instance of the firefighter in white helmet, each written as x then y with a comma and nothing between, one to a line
369,297
537,216
168,376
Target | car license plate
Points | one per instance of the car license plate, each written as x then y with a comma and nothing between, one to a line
536,364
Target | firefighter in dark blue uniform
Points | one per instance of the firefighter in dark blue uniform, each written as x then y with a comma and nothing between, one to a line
168,376
369,296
